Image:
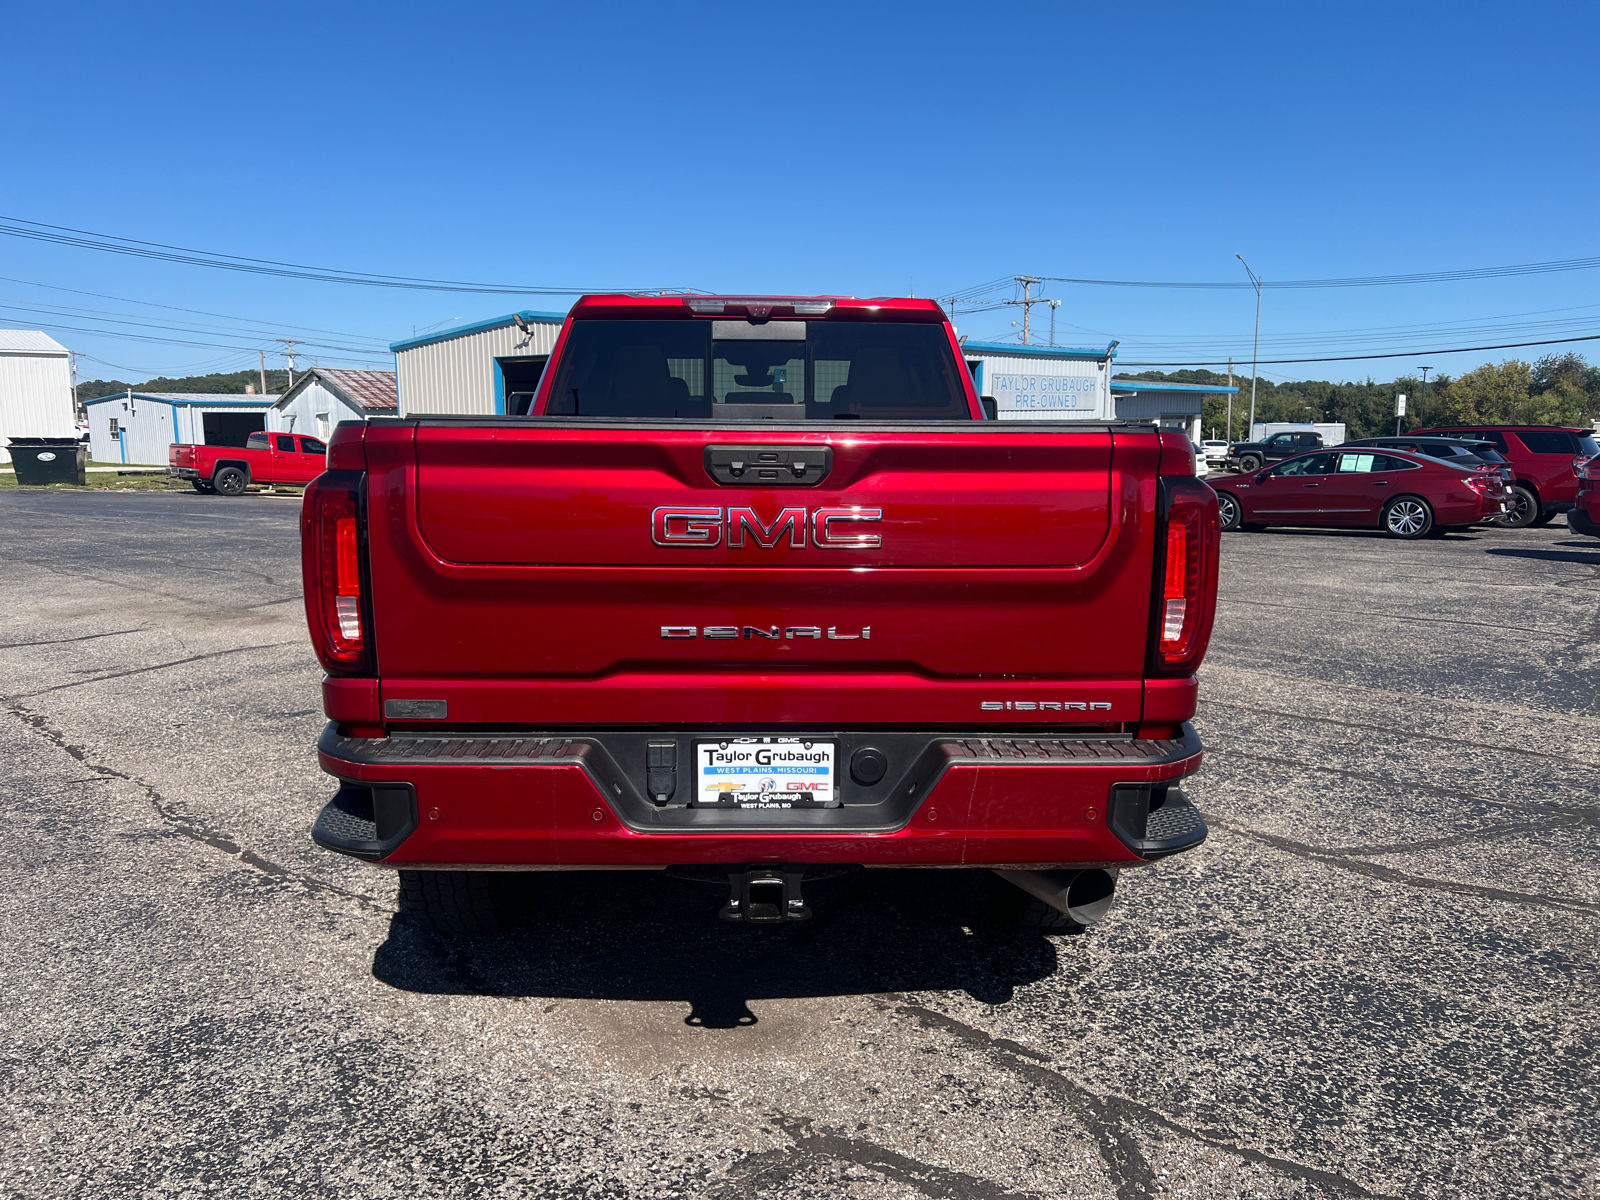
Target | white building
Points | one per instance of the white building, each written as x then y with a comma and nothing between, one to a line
137,427
324,396
484,368
35,388
1043,383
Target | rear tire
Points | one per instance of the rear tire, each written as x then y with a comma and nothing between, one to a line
453,903
1543,518
1012,908
230,481
1524,509
1407,518
1228,510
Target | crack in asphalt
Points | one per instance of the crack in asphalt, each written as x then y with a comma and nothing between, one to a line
1586,812
177,662
88,637
1460,839
1394,875
1108,1117
812,1148
179,822
1392,731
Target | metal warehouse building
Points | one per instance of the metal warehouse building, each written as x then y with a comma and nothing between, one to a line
137,427
35,388
483,368
1173,405
1053,383
324,396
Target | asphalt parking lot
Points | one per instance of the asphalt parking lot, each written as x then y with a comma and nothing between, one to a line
1377,978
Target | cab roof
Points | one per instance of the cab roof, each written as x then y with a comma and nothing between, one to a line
761,308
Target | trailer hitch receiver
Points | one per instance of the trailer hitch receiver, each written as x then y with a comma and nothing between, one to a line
765,896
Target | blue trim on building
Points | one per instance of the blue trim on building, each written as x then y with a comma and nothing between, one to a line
499,390
1152,385
262,404
122,442
455,331
1018,350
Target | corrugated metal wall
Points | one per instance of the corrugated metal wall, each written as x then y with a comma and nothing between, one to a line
300,414
457,375
35,397
1151,406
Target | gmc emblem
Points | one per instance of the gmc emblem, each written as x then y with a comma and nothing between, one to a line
671,526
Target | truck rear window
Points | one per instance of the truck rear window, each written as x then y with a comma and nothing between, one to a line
709,370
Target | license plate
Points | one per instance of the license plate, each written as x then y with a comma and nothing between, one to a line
761,773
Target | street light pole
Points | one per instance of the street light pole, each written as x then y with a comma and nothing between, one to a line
1422,403
1255,354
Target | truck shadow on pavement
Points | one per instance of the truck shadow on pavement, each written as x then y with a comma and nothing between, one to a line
643,936
1577,553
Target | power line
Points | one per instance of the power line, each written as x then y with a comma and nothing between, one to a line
62,311
198,312
1593,337
1540,268
84,239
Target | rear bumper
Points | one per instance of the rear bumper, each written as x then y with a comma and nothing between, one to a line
1580,521
577,801
183,472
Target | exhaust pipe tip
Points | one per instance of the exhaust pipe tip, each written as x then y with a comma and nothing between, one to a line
1084,896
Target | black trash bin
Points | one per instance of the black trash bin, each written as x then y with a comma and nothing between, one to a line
43,461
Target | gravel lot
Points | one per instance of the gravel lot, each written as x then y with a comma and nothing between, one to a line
1377,978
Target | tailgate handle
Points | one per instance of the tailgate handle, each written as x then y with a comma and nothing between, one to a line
769,466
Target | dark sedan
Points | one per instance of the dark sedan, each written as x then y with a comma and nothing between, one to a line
1407,495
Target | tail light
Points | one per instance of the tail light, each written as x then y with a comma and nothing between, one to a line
1485,484
333,561
1185,598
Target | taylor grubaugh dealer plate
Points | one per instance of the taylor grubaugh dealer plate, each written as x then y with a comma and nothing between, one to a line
765,773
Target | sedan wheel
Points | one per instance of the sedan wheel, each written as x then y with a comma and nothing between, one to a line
1407,517
1228,510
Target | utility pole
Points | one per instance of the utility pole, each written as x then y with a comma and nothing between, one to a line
1422,404
263,356
1054,304
1028,300
289,354
1255,354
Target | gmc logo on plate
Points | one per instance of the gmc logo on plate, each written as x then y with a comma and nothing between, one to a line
829,528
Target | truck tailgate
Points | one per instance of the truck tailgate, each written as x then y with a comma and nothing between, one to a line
928,570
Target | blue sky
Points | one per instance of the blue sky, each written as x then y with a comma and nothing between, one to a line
850,148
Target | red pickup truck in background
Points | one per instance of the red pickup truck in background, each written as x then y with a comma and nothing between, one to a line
270,458
756,594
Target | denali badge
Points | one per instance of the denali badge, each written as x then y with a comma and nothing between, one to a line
730,633
672,526
1038,705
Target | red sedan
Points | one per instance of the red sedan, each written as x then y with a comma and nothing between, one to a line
1406,495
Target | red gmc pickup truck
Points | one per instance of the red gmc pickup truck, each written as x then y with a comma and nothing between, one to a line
266,458
755,593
